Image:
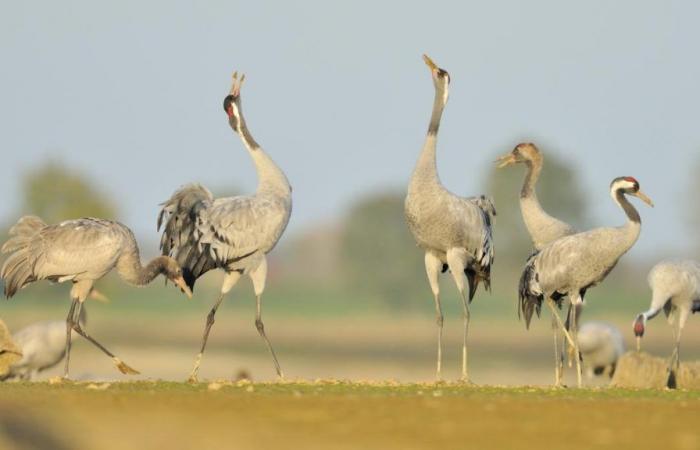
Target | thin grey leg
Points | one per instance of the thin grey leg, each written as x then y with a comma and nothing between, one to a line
205,337
69,328
261,329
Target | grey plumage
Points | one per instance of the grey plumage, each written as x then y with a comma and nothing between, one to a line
80,251
675,286
233,233
572,264
601,345
453,231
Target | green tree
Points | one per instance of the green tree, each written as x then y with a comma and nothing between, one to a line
558,190
55,193
379,256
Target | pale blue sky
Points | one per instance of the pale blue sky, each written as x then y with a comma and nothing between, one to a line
131,92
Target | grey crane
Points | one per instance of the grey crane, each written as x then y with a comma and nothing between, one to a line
233,233
570,265
675,286
542,227
601,345
454,232
80,251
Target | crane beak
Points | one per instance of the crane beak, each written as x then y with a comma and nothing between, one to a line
642,196
180,282
429,62
505,160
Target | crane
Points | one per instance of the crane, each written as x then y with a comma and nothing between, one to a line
454,232
571,265
601,345
80,251
542,227
233,234
675,286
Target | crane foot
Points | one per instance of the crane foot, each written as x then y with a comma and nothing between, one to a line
193,379
124,368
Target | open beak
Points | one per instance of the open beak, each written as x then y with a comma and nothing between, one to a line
505,160
99,296
644,198
180,282
429,62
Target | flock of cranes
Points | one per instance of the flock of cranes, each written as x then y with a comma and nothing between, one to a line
234,234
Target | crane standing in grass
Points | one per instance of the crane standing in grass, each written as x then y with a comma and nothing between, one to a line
542,227
80,251
454,232
234,233
675,289
570,265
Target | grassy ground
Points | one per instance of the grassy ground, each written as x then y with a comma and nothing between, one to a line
341,415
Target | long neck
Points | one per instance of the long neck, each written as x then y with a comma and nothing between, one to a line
534,167
630,211
631,230
271,179
132,271
426,168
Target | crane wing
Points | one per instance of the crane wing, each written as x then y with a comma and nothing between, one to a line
179,217
61,252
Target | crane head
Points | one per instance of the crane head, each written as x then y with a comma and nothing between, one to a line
232,104
522,153
441,78
638,327
172,271
630,186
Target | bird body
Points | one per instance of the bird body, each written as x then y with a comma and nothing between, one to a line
601,345
455,232
233,233
43,346
675,286
80,251
572,264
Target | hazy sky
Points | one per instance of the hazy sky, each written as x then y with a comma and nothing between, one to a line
131,92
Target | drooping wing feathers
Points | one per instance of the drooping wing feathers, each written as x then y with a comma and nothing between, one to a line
203,234
180,216
530,296
62,251
17,270
485,254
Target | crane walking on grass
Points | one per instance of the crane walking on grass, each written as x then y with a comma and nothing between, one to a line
542,227
454,232
80,251
570,265
675,289
234,233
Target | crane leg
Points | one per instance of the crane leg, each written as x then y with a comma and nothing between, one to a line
261,330
555,314
675,362
123,367
574,333
258,276
230,281
456,260
205,336
558,366
432,269
69,328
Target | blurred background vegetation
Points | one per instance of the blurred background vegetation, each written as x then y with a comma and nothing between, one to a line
350,290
